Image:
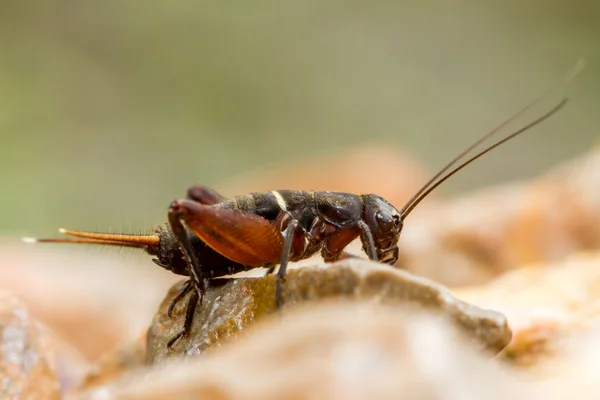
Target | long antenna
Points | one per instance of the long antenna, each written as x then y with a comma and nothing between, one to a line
409,207
427,188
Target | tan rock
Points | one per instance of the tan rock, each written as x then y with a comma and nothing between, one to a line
230,308
27,358
546,305
71,365
338,350
93,298
575,374
115,364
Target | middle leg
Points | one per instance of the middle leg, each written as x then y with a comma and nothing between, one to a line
288,239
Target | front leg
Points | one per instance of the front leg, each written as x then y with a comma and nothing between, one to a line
366,237
335,244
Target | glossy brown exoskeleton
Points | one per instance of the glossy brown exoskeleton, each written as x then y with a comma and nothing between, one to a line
208,236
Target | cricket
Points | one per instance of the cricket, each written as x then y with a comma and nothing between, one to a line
208,236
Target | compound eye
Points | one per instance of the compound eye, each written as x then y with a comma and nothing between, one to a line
385,220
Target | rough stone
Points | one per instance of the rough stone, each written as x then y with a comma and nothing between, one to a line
234,305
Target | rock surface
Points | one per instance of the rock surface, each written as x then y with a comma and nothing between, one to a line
338,350
544,304
115,364
229,308
27,364
89,296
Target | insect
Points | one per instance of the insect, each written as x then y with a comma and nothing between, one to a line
209,236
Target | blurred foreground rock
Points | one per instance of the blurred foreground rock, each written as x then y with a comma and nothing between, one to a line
93,298
235,305
576,372
115,364
338,350
546,306
27,365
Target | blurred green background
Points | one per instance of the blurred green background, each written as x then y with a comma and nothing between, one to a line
111,109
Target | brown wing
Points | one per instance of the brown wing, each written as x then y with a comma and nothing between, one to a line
240,236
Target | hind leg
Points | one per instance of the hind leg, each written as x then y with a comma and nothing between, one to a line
189,318
204,195
198,281
187,286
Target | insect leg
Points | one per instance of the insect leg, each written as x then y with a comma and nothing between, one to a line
394,251
175,215
187,286
288,239
279,223
333,248
189,318
270,269
367,239
204,195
